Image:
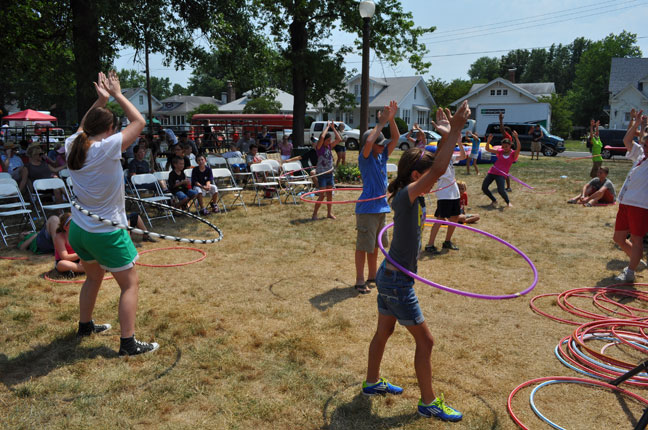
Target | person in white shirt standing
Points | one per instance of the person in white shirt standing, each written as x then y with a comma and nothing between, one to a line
93,157
632,216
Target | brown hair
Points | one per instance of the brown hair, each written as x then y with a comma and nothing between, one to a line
64,219
97,121
411,160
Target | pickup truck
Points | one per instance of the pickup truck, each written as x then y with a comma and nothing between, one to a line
350,135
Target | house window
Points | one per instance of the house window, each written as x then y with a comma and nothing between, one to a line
406,116
627,117
499,92
182,119
640,86
492,92
414,93
421,118
356,90
504,92
141,99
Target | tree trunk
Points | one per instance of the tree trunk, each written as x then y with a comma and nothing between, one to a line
87,60
298,40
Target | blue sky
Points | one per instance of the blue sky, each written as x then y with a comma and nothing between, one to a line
468,29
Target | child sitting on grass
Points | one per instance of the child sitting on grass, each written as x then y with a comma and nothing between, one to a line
463,201
418,170
66,260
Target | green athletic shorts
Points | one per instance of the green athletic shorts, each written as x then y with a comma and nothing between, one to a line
113,251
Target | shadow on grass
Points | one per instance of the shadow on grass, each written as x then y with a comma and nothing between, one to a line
42,359
616,265
334,296
302,221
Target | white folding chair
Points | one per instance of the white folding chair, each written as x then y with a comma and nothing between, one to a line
296,180
242,176
261,179
51,184
5,175
9,193
15,204
64,174
70,184
226,184
157,197
217,162
391,168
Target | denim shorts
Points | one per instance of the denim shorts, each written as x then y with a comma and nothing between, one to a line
325,180
396,296
189,194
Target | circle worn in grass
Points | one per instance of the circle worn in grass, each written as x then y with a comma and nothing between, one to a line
152,233
72,281
204,255
565,379
453,290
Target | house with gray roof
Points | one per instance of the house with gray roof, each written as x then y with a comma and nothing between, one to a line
138,97
285,99
415,103
628,89
174,110
517,102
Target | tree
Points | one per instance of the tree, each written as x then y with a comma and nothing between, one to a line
302,28
179,90
486,68
589,93
204,108
445,93
262,104
561,122
129,78
535,69
516,59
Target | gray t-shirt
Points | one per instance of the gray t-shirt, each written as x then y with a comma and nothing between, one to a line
597,184
408,223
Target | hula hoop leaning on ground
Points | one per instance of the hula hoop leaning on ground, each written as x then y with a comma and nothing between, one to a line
152,233
455,291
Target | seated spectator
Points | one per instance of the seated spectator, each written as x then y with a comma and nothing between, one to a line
13,164
202,180
187,152
180,185
41,242
135,221
56,157
244,144
465,218
37,168
285,148
177,151
265,140
66,260
253,156
183,140
599,190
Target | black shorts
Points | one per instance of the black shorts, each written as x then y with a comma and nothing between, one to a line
447,208
339,148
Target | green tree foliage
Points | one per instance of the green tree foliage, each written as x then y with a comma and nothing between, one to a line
445,93
160,87
262,104
204,108
561,122
302,30
486,68
179,90
114,106
589,93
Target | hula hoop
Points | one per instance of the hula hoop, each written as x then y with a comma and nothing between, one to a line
338,202
443,188
565,379
152,233
70,281
204,255
14,258
453,290
581,158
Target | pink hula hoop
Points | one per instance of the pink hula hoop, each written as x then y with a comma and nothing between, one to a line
204,255
453,290
339,202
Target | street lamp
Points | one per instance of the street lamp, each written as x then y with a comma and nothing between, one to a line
367,9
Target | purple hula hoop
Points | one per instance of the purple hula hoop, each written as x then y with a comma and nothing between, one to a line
515,179
452,290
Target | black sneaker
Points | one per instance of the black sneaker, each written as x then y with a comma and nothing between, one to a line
449,245
132,346
86,329
432,250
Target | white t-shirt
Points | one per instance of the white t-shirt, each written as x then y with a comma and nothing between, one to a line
452,191
634,191
99,184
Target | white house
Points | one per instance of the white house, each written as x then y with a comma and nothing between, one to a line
285,99
628,89
518,102
174,110
415,102
138,97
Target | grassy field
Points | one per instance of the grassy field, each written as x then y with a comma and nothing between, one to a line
268,333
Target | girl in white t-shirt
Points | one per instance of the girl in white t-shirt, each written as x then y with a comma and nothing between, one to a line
93,155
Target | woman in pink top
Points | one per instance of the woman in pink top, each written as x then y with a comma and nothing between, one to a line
500,170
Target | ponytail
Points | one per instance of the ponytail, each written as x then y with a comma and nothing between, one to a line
97,121
414,159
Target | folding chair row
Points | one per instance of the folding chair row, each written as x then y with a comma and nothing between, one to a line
146,183
12,205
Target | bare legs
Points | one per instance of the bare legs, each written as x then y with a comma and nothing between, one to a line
372,262
329,197
633,247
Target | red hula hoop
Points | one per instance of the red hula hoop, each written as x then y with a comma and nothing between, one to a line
70,281
339,202
565,378
204,255
14,258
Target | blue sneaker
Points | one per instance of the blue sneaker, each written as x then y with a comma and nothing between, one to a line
439,409
381,387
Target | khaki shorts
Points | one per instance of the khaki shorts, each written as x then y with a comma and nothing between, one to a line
368,226
536,146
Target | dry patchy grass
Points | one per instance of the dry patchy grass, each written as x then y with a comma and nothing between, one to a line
267,331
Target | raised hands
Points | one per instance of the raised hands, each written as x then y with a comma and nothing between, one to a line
100,87
388,113
112,83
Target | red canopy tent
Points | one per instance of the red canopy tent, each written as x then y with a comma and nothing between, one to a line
29,115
